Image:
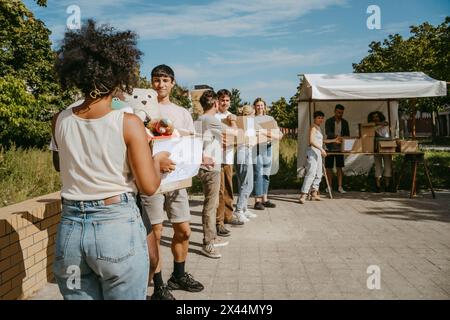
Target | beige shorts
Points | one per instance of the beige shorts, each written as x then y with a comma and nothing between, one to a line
175,203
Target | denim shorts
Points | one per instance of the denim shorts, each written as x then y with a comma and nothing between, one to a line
101,251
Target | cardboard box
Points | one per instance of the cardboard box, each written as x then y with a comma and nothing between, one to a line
182,184
387,146
407,146
186,151
351,145
368,144
366,130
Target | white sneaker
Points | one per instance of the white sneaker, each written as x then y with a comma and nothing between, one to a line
241,216
219,242
341,190
249,214
210,251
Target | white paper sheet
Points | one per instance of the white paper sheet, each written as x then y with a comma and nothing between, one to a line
186,152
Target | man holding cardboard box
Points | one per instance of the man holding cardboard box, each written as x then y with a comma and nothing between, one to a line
175,203
209,173
335,127
225,209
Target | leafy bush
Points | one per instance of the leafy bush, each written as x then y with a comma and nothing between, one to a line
24,120
26,174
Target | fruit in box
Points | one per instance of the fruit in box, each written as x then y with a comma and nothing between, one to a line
161,127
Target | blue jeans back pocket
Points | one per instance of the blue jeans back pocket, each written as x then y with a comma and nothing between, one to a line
65,230
114,240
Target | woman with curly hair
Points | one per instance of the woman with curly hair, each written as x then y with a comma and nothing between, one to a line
104,159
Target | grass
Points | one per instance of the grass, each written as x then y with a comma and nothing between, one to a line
26,174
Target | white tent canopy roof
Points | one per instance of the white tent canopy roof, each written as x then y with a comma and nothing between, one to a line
371,86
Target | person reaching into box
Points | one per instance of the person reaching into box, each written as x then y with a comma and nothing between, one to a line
314,155
383,163
103,158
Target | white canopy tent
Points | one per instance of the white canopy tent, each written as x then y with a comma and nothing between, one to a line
360,94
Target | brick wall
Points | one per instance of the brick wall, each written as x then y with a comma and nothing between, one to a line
27,240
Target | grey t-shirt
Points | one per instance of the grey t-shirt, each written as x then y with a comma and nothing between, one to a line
212,139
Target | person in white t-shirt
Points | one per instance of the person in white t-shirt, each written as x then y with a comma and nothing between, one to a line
225,210
175,203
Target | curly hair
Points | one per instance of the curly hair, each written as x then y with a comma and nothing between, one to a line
98,58
380,116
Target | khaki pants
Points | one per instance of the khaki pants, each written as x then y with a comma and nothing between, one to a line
225,209
211,186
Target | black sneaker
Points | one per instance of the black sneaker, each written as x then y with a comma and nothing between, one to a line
269,204
259,206
186,283
222,231
162,293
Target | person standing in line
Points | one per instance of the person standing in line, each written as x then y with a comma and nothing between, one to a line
225,209
245,158
263,165
175,203
209,172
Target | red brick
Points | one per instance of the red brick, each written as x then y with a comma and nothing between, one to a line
4,242
31,251
39,236
5,264
31,230
2,228
10,250
16,270
17,258
26,242
29,283
52,229
14,294
5,287
29,262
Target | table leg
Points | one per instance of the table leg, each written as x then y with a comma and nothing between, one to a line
427,172
326,180
413,177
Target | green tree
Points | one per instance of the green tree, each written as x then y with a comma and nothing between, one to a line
427,50
279,111
235,101
180,96
24,119
26,48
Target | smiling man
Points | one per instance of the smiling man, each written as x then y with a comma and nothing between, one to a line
175,203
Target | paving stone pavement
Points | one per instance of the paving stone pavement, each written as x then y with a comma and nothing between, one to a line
322,250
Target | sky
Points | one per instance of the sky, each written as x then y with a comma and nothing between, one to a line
257,46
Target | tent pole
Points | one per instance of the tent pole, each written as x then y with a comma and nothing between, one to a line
389,118
309,115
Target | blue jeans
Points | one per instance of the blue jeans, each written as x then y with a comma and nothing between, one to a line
245,156
101,251
314,171
262,170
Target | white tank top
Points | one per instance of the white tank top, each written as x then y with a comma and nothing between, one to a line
319,139
92,156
